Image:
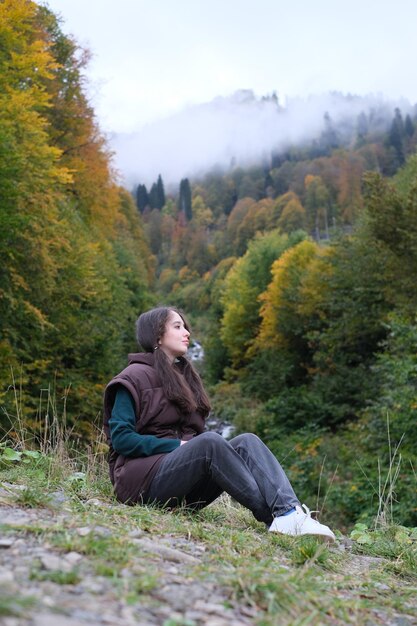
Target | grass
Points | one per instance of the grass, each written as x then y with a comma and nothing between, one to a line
57,576
371,578
295,581
15,606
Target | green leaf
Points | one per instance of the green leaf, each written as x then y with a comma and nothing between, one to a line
11,455
33,454
361,536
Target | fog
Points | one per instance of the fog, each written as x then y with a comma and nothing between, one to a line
241,129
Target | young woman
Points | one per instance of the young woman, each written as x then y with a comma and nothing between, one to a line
154,418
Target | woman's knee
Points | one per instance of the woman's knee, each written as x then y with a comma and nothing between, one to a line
247,440
211,438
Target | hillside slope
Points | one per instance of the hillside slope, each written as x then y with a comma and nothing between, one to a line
71,555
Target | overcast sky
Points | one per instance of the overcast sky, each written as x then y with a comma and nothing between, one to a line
152,58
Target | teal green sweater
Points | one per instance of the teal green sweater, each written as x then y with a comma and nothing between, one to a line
125,440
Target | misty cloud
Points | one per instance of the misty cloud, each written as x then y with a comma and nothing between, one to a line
241,129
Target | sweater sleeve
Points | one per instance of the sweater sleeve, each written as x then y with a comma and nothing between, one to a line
125,440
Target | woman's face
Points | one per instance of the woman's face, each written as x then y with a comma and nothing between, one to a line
175,339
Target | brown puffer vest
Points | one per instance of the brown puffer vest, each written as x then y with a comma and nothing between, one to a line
155,415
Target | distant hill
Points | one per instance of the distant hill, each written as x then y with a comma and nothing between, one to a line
246,130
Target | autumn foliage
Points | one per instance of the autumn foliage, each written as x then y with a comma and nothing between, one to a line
75,268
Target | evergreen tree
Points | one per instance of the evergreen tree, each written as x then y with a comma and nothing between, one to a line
160,192
396,137
153,197
329,139
142,198
184,200
408,126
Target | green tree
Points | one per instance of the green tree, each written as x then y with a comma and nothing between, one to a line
74,266
160,192
142,198
184,199
396,138
246,280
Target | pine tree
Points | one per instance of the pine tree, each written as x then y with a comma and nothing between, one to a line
153,197
329,139
160,192
142,198
184,200
396,137
408,126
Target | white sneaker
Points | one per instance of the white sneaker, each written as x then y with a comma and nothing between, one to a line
301,523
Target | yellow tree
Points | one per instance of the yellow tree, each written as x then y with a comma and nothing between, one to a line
202,214
293,217
281,325
73,274
31,177
257,219
235,219
248,278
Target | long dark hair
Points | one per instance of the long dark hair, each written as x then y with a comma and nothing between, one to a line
181,381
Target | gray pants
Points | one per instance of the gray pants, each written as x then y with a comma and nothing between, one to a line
196,473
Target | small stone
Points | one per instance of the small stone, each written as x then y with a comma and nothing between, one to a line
6,576
209,607
73,557
58,497
53,562
93,586
171,554
96,502
84,531
6,542
21,571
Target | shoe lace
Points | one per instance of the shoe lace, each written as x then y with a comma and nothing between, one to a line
308,512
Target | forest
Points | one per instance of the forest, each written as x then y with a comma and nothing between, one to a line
298,275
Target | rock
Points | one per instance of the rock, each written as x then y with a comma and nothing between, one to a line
53,619
73,558
19,545
171,554
15,517
102,531
96,502
6,576
6,542
53,562
57,498
93,585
